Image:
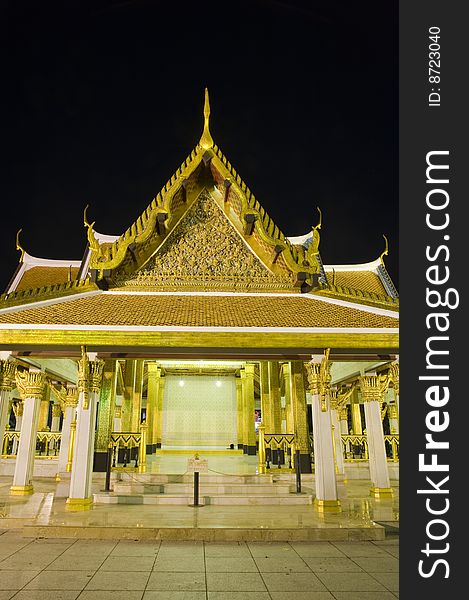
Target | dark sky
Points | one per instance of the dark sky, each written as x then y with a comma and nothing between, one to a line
103,100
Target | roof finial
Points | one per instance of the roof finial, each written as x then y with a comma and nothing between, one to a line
385,251
19,246
318,226
206,140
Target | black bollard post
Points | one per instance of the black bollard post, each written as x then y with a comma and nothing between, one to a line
107,487
196,488
298,472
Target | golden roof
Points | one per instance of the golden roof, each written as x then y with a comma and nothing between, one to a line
38,277
359,280
257,310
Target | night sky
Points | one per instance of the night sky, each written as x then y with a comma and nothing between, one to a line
102,101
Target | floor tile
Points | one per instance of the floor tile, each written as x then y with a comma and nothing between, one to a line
215,564
15,580
282,564
332,564
238,596
33,563
60,580
184,564
293,582
187,595
302,596
115,595
316,549
389,580
266,550
6,594
227,549
379,564
126,580
75,563
235,582
128,563
363,596
136,549
360,549
353,582
176,581
47,595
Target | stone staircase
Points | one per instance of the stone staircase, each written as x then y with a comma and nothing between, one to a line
269,489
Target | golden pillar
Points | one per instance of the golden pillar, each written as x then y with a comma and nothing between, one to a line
300,413
137,397
356,413
240,413
127,401
44,411
274,393
289,419
154,376
266,406
160,408
249,437
106,409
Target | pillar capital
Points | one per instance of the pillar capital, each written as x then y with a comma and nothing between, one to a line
319,378
154,369
71,397
90,375
373,388
56,410
249,369
31,384
7,375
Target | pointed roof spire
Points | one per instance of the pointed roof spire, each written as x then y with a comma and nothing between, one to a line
19,247
206,140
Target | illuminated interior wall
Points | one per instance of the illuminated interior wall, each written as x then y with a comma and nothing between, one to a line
199,411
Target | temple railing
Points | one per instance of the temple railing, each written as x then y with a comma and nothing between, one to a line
126,447
275,449
47,443
355,447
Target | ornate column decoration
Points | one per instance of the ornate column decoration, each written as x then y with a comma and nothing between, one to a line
137,397
373,389
90,379
154,378
160,408
266,406
274,393
31,385
319,379
394,377
7,382
248,402
239,412
300,414
289,420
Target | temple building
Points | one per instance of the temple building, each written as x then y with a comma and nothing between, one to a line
201,328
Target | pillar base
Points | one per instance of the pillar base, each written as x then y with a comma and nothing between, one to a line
381,492
329,506
21,490
79,503
142,468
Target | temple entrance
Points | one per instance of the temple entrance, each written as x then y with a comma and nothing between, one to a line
199,412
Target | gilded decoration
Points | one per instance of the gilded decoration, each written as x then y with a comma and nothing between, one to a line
56,410
31,384
394,376
319,378
7,375
373,387
206,252
90,375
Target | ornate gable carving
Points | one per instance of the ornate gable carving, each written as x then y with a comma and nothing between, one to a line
205,252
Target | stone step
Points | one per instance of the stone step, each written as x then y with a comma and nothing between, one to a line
205,488
204,500
149,478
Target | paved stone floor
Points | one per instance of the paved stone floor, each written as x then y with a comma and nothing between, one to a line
66,569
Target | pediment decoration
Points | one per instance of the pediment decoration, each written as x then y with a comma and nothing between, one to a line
205,251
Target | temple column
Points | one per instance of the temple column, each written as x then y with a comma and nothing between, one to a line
343,425
31,385
18,410
289,420
70,405
137,397
372,391
7,382
249,438
394,377
160,408
393,418
117,420
356,414
106,407
239,413
154,377
274,393
266,411
44,411
89,383
300,414
56,413
127,400
319,379
336,434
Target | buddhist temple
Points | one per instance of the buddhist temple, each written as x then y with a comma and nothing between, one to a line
202,329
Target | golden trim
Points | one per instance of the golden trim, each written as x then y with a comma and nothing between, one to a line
332,506
21,490
79,503
199,339
381,492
